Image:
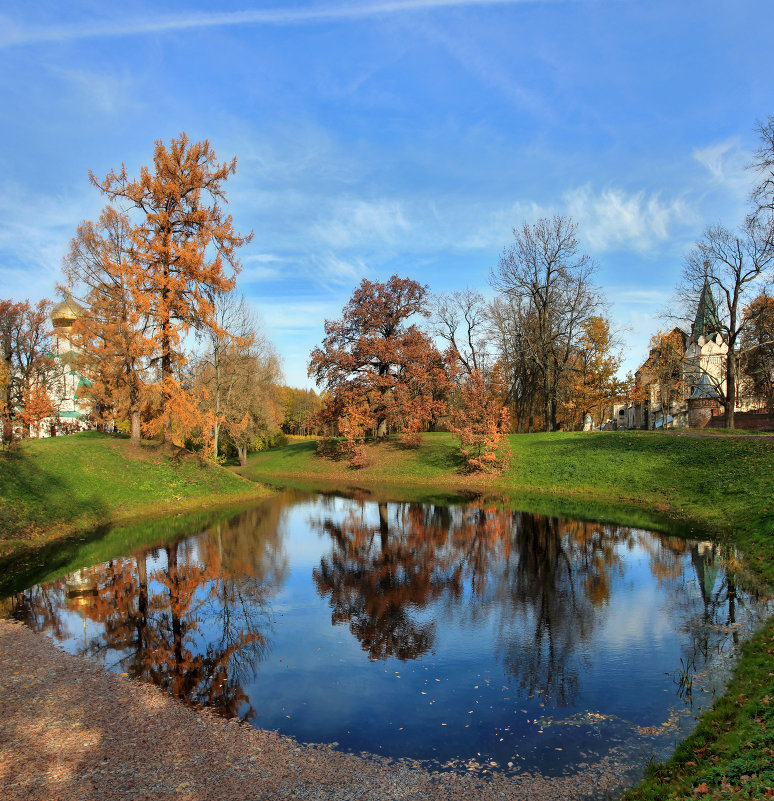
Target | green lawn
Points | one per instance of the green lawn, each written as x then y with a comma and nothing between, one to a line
53,488
677,481
724,484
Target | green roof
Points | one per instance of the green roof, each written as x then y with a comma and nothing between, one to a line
707,322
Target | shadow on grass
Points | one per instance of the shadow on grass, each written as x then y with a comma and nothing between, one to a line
437,455
36,565
33,496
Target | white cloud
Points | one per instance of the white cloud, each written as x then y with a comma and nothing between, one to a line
616,220
108,93
35,234
354,221
726,163
17,35
715,157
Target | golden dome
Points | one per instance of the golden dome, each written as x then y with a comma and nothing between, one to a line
64,314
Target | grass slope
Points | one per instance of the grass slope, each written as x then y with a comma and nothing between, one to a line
56,488
724,485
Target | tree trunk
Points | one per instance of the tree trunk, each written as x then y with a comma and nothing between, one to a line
242,453
384,528
730,388
135,432
547,404
135,435
381,431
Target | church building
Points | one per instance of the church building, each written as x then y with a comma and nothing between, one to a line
71,413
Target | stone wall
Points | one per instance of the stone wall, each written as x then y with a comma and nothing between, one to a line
751,421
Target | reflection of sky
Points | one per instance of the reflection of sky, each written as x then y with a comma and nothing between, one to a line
316,681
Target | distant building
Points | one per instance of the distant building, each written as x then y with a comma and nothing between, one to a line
702,378
65,381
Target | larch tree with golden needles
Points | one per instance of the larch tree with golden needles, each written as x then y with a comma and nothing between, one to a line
185,249
112,334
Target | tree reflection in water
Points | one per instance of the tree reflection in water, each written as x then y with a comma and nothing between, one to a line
195,622
533,594
544,580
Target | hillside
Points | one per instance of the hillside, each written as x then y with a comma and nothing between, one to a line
53,487
723,483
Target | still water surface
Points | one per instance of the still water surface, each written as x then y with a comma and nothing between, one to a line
470,635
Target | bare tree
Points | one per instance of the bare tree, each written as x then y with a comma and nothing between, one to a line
735,266
510,327
460,319
763,163
219,366
544,269
238,377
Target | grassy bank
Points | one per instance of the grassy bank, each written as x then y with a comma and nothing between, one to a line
54,490
719,484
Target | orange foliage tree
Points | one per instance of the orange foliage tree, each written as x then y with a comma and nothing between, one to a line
26,356
184,248
481,423
37,406
380,373
757,346
593,382
113,335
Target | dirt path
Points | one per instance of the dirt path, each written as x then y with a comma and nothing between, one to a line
71,730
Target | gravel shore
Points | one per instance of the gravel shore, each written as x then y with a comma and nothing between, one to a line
71,730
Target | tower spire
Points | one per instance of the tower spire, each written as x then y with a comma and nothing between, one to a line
707,322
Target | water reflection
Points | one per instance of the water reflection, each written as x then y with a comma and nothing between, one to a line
521,620
192,616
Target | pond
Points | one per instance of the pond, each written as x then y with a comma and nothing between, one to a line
468,636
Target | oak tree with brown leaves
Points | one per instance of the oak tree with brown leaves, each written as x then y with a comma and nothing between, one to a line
380,371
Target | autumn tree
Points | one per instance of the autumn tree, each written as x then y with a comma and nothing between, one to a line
379,371
237,379
544,270
5,412
481,423
184,247
757,348
593,380
735,266
37,406
114,334
665,367
26,351
299,407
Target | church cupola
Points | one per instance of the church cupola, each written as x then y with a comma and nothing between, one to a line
64,314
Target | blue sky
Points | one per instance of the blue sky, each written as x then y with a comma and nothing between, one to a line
401,136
